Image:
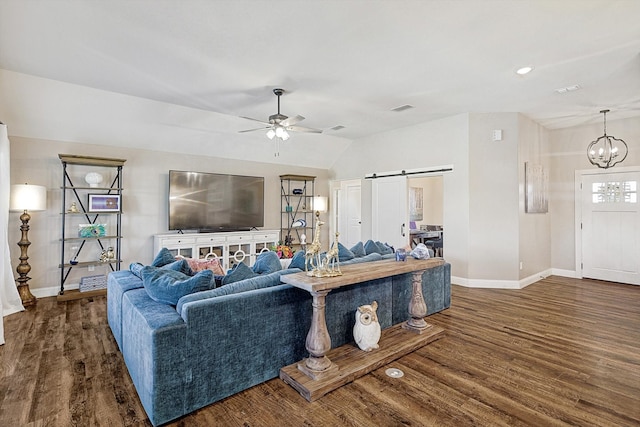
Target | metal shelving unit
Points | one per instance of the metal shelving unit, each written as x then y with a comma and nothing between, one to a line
296,205
79,195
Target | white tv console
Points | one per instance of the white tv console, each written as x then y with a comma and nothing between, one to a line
231,248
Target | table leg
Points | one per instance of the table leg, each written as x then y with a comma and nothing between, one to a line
318,341
417,306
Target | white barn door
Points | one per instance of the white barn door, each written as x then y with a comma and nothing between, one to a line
611,227
390,211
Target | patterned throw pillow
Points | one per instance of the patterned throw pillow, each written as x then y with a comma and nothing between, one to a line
212,264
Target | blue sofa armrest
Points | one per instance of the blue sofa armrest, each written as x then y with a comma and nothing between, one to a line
118,283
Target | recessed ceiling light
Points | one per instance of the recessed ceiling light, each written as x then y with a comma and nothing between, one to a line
524,70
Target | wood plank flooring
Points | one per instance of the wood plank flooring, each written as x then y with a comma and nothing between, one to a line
559,352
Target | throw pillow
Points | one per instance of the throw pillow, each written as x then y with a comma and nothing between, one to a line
180,265
267,262
384,248
239,272
168,286
136,268
358,250
212,264
344,254
371,247
298,260
164,257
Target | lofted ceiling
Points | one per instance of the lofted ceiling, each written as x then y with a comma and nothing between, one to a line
342,63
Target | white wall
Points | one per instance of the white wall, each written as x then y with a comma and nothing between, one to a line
568,153
145,179
436,143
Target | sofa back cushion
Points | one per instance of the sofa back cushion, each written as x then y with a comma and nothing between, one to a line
256,282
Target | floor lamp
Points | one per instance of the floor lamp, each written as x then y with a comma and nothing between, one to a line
26,198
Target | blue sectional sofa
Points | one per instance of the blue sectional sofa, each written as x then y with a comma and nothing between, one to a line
221,341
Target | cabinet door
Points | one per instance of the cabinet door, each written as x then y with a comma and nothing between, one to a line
238,252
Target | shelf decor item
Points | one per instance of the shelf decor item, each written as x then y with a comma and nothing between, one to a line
92,230
93,179
104,203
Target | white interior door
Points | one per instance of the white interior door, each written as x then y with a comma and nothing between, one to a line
350,215
611,227
390,211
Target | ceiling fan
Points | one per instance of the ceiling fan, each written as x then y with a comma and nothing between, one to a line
279,125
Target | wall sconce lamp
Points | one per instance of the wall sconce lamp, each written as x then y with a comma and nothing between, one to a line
26,198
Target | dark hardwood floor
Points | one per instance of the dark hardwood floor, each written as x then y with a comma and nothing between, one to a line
559,352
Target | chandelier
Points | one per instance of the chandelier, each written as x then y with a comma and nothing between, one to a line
607,151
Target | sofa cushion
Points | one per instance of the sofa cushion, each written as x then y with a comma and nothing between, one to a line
367,258
384,248
256,282
371,247
180,265
239,272
344,254
163,257
358,250
298,260
168,286
267,262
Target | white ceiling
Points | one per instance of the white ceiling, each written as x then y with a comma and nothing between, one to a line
342,63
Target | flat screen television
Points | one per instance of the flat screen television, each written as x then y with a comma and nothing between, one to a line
215,202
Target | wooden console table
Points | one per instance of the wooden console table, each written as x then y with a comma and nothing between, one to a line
317,375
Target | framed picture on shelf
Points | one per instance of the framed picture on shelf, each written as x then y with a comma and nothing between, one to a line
104,203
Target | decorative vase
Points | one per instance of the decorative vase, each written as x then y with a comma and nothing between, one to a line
93,179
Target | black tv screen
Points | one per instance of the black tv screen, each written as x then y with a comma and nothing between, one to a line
215,202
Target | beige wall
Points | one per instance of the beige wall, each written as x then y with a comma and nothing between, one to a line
568,153
432,199
145,179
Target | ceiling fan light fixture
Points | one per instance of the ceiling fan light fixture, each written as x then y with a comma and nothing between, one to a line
271,133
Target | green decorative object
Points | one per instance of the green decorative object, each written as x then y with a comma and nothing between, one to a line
92,230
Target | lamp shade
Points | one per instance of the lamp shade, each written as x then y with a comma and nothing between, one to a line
25,197
320,204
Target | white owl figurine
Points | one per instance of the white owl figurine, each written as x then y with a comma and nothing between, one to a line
366,331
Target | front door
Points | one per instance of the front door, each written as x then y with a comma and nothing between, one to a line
611,227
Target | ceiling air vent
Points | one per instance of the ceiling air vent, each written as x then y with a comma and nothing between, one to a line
402,108
338,127
568,89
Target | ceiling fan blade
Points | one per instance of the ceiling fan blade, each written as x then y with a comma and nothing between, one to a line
291,121
256,120
252,130
303,129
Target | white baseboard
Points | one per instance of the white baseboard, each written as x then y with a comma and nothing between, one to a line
565,273
500,284
52,291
